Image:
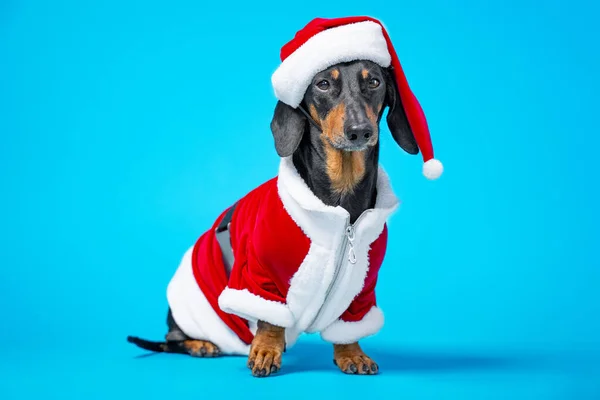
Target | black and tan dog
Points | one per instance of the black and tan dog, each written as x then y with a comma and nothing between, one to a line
332,139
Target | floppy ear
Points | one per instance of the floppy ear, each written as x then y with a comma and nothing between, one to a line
396,118
287,126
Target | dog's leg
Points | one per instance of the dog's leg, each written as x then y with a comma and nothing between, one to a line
200,348
266,350
195,348
352,360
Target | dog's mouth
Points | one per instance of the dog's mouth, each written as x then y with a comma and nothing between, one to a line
354,148
348,146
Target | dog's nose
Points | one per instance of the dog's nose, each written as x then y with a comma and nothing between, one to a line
359,133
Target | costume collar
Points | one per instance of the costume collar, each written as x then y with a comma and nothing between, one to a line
318,219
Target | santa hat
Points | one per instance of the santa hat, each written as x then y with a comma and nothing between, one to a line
325,42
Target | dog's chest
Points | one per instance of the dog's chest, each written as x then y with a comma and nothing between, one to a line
339,261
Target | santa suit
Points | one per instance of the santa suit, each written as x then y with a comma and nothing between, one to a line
298,264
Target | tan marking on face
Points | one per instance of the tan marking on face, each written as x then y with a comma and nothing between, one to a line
371,114
313,113
335,73
365,73
373,118
345,169
312,110
379,107
333,123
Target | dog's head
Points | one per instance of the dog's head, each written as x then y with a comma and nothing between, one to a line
346,101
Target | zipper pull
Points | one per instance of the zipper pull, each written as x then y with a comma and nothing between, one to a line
351,253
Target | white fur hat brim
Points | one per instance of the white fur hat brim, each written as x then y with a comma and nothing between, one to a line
357,41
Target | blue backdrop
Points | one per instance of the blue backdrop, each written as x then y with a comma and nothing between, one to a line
126,127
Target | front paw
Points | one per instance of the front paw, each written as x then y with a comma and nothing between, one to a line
264,360
350,359
266,350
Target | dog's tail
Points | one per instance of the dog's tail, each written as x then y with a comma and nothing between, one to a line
157,347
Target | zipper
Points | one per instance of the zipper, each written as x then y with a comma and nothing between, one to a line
347,247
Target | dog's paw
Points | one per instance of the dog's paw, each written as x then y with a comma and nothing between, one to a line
350,359
201,348
264,360
266,350
361,365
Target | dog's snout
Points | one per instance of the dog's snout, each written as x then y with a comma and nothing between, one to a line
359,133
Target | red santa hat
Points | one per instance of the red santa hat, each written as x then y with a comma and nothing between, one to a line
325,42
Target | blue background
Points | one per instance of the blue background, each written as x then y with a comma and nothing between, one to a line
126,127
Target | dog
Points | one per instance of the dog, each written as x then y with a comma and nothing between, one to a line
302,252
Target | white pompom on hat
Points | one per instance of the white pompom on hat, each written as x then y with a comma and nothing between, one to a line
326,42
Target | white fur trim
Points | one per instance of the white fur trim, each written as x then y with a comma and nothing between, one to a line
341,332
325,226
321,222
433,169
195,316
254,308
312,215
357,41
350,283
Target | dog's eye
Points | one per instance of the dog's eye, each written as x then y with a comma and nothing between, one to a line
323,85
374,83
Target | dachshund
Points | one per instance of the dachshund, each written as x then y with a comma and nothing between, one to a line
332,139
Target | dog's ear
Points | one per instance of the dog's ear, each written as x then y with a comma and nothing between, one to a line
288,126
396,118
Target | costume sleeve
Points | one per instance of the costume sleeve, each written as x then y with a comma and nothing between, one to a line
361,319
253,295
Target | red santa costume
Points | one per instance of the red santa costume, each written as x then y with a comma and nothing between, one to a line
297,262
